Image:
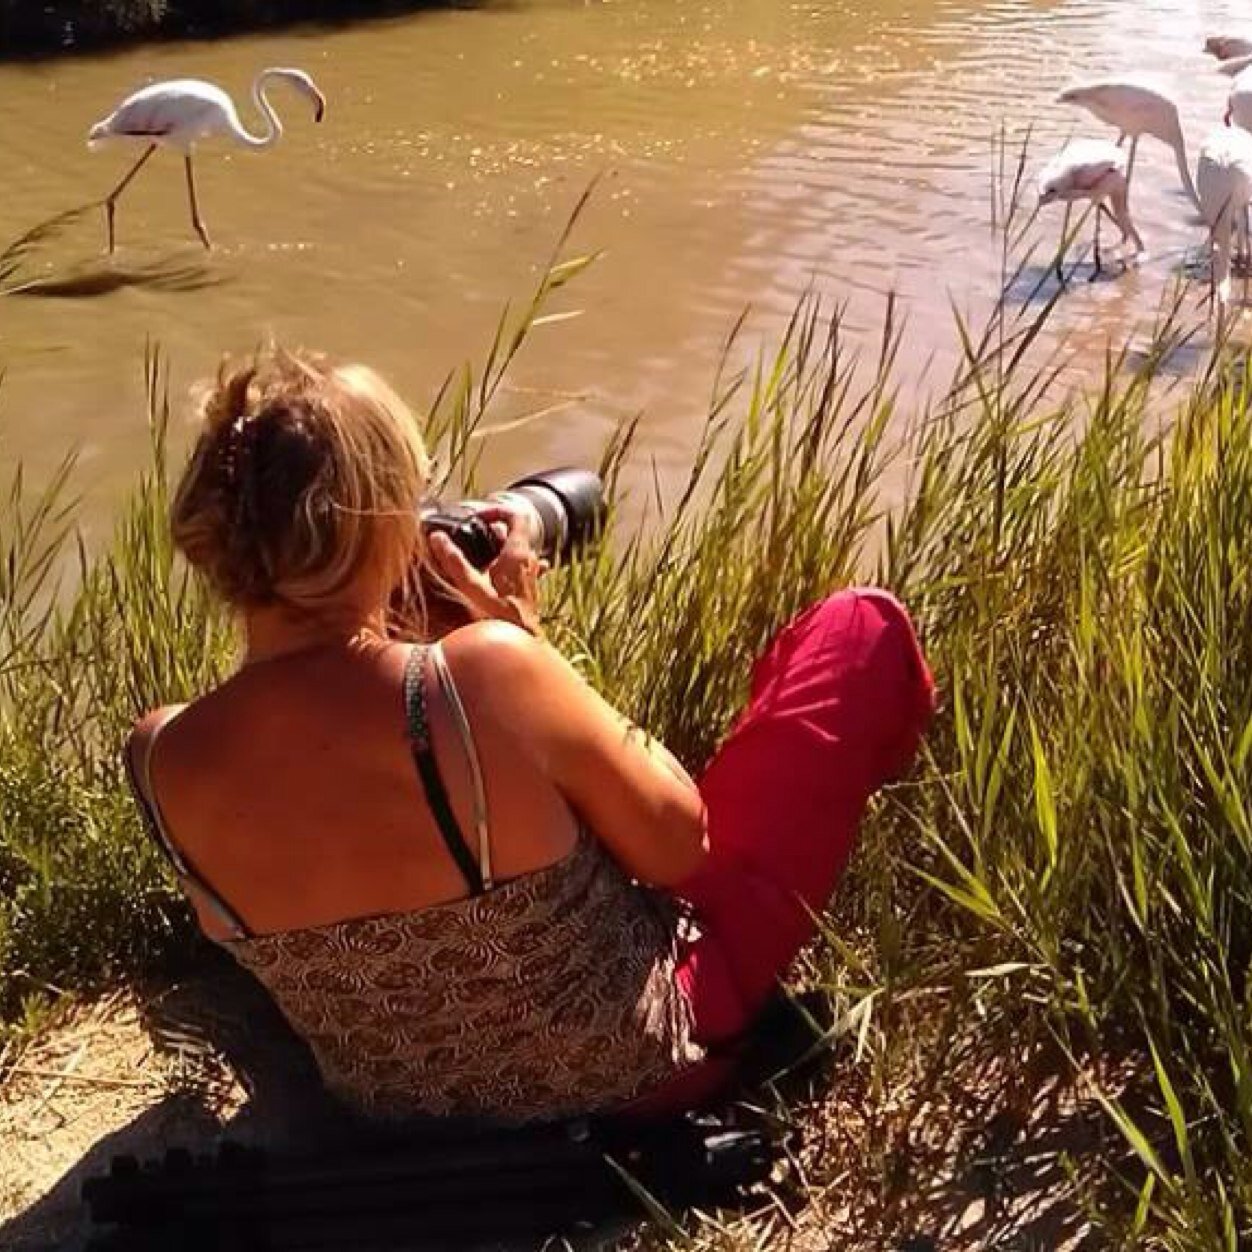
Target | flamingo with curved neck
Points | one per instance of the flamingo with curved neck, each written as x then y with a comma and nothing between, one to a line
1095,171
273,123
1136,109
180,112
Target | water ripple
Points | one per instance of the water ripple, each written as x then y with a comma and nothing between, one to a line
750,150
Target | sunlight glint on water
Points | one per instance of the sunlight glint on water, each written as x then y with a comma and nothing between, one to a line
750,148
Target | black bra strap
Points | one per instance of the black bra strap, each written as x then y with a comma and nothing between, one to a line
428,770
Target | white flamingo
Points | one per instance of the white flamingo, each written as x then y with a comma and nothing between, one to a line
1135,109
1239,113
182,111
1094,170
1224,184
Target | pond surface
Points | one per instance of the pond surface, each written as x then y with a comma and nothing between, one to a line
749,150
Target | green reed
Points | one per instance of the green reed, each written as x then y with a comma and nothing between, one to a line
1068,873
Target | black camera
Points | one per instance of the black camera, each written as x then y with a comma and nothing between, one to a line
563,509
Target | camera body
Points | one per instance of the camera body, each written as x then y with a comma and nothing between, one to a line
563,509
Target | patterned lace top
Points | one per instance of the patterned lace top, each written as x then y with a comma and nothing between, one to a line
550,995
547,995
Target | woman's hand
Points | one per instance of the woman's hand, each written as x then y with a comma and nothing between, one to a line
509,587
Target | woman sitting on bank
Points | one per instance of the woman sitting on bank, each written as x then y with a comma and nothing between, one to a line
451,863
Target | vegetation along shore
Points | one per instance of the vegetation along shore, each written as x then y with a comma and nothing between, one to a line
29,29
1043,947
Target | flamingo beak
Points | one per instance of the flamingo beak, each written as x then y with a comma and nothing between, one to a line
319,108
1226,117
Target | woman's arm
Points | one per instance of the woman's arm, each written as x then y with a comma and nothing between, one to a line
631,793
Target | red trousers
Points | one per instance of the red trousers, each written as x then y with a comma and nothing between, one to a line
839,703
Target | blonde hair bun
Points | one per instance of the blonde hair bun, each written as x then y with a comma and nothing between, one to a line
304,477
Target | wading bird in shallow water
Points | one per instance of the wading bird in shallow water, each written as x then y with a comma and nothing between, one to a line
1239,113
1093,170
1224,183
1135,109
181,112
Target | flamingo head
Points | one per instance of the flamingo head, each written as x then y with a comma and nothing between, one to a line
309,88
305,85
1048,185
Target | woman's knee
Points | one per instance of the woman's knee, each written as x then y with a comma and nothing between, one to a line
901,669
897,624
852,620
860,640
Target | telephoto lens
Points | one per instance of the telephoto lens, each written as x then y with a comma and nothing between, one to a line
562,509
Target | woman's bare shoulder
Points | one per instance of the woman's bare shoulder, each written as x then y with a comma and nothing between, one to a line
145,730
505,668
489,646
143,735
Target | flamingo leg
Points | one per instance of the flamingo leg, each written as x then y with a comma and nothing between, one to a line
1130,165
1213,267
1099,263
1103,210
1060,251
195,208
1222,241
1242,244
111,199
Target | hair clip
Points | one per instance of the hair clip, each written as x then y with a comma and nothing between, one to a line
235,446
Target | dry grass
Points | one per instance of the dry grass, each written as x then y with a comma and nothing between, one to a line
995,1156
91,1085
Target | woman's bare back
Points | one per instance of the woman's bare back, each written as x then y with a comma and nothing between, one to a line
292,790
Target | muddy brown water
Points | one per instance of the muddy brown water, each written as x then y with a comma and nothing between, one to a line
749,150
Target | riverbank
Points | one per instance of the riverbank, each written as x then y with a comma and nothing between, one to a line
62,26
1041,951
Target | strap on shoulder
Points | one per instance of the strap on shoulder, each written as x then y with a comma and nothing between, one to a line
140,779
453,698
418,723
